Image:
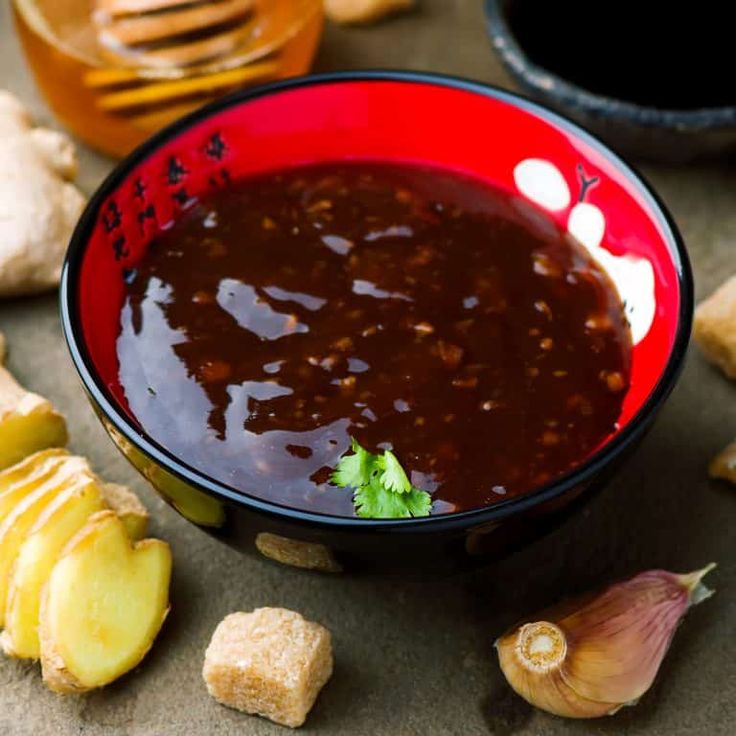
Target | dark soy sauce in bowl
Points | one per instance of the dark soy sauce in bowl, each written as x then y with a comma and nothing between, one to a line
404,306
676,57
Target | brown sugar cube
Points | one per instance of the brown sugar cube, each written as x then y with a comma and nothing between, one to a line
271,662
715,327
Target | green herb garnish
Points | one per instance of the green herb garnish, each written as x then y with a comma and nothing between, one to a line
382,488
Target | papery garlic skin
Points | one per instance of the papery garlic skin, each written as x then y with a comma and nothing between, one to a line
591,656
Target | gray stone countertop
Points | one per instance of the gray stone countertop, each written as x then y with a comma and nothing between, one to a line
416,659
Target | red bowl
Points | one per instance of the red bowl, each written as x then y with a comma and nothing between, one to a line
542,158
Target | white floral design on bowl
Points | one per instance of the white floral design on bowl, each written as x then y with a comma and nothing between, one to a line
542,183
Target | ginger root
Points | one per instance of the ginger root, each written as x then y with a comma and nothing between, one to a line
44,501
363,11
128,507
104,604
59,522
15,481
28,422
31,499
714,327
39,206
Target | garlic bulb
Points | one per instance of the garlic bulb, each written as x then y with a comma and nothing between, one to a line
591,656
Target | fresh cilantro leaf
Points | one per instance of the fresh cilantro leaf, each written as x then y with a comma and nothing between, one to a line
393,477
375,501
354,471
382,488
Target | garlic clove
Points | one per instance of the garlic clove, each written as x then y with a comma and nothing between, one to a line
599,652
530,658
621,636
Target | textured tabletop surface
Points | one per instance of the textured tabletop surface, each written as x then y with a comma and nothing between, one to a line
416,658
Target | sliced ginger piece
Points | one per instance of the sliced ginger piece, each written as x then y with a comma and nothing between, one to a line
103,605
28,422
128,507
29,508
44,501
17,481
64,516
23,476
59,522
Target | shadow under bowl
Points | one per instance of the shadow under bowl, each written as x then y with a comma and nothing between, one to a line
642,132
539,158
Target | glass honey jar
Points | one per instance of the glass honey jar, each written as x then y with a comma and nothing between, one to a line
115,71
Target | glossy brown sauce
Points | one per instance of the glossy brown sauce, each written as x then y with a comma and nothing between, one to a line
407,307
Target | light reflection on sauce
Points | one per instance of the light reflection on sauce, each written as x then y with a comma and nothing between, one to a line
411,309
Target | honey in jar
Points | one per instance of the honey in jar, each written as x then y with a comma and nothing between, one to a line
115,77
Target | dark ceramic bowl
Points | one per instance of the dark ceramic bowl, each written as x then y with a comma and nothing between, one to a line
639,131
543,160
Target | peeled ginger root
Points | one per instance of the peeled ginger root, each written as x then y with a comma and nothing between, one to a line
44,501
24,501
128,507
18,479
60,521
363,11
103,606
28,422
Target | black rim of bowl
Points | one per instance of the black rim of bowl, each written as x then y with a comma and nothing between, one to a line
551,86
95,386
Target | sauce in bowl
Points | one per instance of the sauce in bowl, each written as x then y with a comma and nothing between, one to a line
407,307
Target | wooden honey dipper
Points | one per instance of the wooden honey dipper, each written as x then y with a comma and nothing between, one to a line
170,35
171,32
